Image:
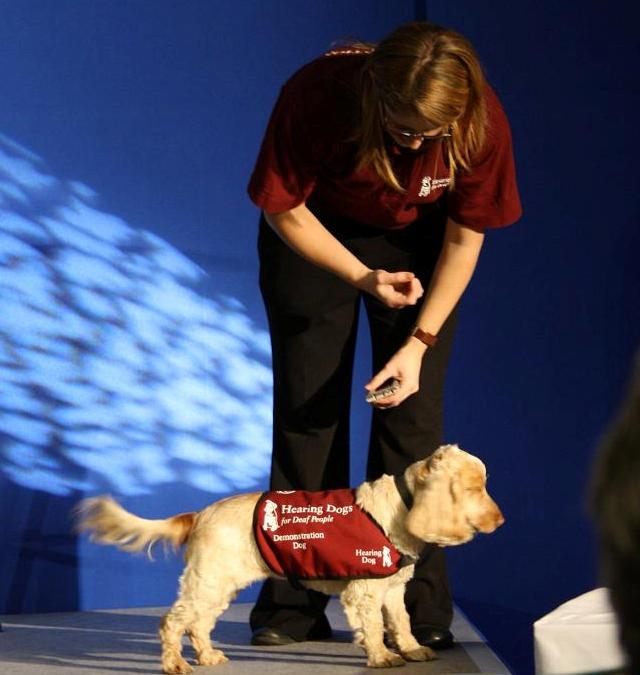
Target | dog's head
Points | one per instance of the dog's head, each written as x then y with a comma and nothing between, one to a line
450,499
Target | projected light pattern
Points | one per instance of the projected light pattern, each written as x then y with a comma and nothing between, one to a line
115,372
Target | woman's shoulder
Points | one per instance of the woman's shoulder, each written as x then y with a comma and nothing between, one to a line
323,95
338,67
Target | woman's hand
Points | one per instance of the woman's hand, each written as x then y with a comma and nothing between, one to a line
394,289
306,235
404,366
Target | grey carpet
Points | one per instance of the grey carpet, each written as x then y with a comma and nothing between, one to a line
125,641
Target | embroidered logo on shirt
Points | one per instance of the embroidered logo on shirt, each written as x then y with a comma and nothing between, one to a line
428,185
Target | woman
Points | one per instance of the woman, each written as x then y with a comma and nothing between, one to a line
380,170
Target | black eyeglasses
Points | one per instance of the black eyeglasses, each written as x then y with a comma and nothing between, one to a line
412,135
416,135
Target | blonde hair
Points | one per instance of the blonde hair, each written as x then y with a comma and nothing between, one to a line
428,71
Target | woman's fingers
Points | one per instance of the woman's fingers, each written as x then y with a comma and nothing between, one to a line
398,289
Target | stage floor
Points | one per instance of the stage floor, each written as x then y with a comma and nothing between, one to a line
124,641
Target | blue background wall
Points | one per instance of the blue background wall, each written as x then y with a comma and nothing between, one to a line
553,317
134,355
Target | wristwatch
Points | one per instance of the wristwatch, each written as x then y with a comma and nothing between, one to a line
423,336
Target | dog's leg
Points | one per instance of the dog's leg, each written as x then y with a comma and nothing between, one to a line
211,603
203,597
362,602
399,626
172,627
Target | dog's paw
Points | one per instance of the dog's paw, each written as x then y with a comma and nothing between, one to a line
212,658
176,665
420,654
387,659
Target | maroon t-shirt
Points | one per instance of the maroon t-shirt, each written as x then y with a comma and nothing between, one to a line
306,156
322,535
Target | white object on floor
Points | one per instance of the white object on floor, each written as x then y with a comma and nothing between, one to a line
579,636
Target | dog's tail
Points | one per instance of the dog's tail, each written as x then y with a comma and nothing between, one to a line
109,523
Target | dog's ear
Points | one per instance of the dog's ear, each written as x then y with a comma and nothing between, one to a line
435,463
435,460
422,473
437,515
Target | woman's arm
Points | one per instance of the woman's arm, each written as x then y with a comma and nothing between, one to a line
306,235
454,269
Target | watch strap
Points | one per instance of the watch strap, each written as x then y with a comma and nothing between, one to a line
424,337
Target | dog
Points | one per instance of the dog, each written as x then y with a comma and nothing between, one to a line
450,505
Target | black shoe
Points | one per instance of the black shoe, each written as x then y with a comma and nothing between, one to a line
269,637
434,637
272,637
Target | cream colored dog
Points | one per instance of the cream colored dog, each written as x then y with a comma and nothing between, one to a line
450,505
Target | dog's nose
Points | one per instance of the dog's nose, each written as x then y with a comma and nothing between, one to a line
498,516
493,520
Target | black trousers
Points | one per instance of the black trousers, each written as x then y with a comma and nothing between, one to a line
313,318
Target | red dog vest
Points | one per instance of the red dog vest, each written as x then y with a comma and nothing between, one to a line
322,535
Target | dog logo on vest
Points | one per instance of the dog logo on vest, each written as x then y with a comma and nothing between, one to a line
386,557
270,521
